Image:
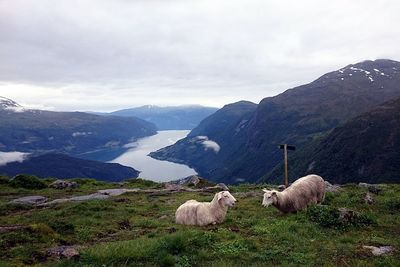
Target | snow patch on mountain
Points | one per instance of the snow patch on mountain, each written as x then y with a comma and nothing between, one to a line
76,134
10,105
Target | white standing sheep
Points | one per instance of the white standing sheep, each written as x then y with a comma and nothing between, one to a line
193,212
298,196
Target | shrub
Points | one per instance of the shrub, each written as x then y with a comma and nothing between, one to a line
8,208
62,227
327,216
142,183
88,181
28,182
4,179
392,205
42,229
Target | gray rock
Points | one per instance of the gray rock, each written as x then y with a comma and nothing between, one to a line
101,194
78,198
379,251
346,215
223,186
368,199
30,200
173,187
63,252
331,188
373,188
62,184
116,192
193,180
187,181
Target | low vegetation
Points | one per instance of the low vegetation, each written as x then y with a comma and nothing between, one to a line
138,229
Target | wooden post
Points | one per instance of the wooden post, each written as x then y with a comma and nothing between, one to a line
286,166
285,148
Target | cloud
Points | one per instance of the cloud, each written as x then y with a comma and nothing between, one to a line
104,55
7,157
208,144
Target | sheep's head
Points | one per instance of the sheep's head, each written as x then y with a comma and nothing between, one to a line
269,197
226,199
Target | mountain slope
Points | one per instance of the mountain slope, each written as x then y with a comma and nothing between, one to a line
169,118
68,132
63,166
365,149
297,116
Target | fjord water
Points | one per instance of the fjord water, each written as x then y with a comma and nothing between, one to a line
152,169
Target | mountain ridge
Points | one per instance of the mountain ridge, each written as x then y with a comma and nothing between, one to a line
296,116
64,167
29,130
184,117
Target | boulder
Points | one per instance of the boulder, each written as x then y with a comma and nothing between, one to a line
368,199
193,180
379,251
63,252
346,215
373,188
331,188
116,191
62,184
30,200
173,187
223,186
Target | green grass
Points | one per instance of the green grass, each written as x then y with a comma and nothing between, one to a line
138,229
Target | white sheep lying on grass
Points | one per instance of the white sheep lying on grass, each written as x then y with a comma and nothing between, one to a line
193,212
298,196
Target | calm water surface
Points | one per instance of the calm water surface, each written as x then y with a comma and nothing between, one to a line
152,169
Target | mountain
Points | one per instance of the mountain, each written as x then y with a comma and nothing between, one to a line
68,132
297,116
365,149
169,118
63,166
10,105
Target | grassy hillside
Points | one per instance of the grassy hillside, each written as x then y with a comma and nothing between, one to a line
138,229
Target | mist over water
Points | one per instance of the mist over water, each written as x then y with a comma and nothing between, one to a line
152,169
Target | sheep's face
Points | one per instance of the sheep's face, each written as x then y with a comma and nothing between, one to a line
226,199
269,197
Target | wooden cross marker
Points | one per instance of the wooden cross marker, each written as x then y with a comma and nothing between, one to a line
285,148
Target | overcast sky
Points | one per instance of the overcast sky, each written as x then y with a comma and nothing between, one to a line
106,55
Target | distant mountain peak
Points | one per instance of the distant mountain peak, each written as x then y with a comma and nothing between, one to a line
183,117
368,70
10,105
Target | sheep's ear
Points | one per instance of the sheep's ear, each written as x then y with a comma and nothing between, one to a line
220,195
265,190
274,193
